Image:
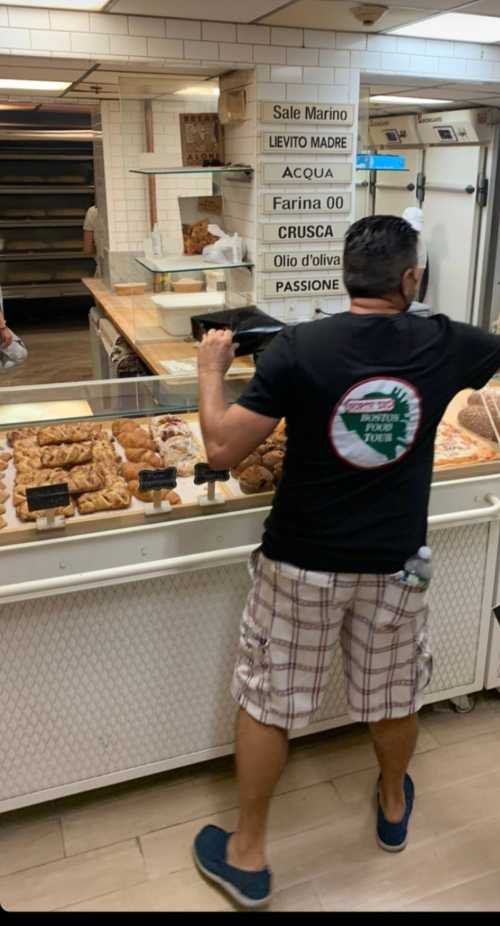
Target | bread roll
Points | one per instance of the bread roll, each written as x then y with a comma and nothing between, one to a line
254,459
256,479
477,420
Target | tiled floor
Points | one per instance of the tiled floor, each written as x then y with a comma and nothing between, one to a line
128,848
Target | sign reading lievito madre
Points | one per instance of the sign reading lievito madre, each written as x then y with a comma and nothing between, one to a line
305,143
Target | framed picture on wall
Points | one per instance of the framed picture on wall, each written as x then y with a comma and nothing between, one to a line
202,140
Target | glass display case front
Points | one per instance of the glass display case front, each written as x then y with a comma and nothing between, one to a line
101,455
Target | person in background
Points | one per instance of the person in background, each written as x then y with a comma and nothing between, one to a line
415,217
362,393
5,332
92,237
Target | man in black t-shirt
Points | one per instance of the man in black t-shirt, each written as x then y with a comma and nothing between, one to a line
362,393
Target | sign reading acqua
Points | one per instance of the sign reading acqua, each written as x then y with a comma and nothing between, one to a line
307,173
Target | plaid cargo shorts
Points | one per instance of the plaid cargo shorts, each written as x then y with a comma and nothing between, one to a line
291,625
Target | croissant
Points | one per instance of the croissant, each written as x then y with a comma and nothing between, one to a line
139,455
66,454
69,433
136,438
165,494
111,498
122,425
130,471
5,455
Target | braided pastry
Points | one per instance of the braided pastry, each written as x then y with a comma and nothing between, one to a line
110,498
20,433
104,452
86,478
69,433
25,515
40,477
66,454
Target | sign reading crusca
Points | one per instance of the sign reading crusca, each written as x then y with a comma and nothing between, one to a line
303,143
303,231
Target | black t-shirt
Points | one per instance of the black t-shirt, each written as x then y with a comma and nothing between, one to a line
362,396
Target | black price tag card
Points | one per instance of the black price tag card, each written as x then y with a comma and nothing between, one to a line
43,498
151,479
203,473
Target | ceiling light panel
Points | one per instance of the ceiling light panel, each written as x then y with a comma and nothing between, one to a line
454,27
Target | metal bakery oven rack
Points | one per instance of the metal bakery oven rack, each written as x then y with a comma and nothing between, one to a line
46,187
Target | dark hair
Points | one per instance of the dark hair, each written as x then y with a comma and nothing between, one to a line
377,251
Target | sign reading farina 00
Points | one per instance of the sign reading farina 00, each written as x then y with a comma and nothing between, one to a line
314,113
304,202
304,143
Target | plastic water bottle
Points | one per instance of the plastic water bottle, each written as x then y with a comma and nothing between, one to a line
417,571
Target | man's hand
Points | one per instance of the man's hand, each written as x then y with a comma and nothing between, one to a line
216,352
5,337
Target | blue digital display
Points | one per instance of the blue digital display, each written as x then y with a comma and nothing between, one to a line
380,162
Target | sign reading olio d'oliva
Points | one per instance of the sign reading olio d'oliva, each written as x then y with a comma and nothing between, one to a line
314,113
282,261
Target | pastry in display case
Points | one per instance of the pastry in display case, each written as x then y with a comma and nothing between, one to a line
100,460
469,434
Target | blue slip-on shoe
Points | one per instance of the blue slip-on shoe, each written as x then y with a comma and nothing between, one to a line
393,836
249,888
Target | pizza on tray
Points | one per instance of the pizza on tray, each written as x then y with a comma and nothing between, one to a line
454,448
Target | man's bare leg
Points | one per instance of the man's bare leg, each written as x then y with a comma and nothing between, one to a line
394,742
261,754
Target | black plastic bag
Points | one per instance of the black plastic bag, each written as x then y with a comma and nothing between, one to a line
252,329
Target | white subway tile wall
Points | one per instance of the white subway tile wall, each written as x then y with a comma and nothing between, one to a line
294,65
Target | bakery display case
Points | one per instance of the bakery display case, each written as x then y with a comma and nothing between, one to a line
120,617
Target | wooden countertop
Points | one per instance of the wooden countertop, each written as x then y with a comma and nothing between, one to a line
135,317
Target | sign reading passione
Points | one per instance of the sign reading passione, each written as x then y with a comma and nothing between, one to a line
304,143
285,287
280,261
302,231
313,113
304,202
326,172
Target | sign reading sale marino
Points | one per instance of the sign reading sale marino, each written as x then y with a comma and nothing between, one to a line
315,183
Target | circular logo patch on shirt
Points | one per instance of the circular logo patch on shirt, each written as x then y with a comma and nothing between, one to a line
376,422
